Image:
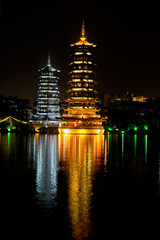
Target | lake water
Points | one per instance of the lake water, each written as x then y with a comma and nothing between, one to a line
79,187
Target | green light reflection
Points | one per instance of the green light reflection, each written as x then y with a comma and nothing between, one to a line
122,147
145,146
135,145
9,142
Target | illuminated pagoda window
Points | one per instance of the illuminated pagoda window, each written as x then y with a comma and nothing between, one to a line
47,102
82,112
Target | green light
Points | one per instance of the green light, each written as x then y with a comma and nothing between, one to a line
122,131
135,128
8,128
110,129
146,127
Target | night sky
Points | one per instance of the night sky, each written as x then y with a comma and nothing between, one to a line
127,34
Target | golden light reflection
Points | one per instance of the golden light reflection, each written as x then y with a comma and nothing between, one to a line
81,154
105,153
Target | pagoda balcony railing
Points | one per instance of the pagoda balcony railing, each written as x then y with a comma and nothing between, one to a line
82,127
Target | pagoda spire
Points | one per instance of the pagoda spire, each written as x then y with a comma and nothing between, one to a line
83,34
49,60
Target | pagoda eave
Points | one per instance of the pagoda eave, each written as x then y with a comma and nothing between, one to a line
81,99
83,42
80,117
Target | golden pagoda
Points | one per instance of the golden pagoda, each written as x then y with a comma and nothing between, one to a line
82,115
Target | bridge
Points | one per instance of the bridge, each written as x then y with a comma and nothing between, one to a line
10,119
38,127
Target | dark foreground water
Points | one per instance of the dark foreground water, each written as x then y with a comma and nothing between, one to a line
79,187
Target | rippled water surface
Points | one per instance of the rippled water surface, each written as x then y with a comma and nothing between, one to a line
80,187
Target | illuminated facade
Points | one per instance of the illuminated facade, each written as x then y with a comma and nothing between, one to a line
81,115
47,109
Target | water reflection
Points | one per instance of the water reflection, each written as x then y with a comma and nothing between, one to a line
82,155
135,146
71,174
145,146
158,181
122,146
45,159
8,145
105,154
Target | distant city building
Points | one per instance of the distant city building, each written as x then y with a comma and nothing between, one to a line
82,115
47,102
108,99
126,105
15,107
139,99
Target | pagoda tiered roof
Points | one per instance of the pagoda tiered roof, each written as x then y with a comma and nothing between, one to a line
49,67
83,40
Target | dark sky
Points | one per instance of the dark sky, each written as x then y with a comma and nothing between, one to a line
127,34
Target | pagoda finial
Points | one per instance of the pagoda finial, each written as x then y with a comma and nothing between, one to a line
83,34
49,60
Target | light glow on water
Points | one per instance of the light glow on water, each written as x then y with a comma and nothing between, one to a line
82,154
46,161
74,182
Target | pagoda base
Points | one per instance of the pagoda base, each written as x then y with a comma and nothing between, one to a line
81,131
50,128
